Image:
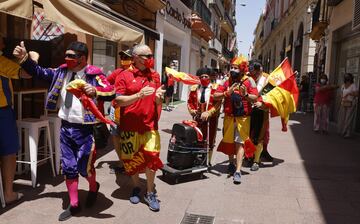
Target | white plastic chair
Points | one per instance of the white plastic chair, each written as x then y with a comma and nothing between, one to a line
55,125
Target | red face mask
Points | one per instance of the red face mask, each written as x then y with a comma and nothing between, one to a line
71,63
149,63
205,82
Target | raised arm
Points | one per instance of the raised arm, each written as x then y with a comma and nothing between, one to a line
30,66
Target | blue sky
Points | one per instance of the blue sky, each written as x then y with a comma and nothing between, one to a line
246,20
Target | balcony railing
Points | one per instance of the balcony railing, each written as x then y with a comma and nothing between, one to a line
333,2
218,6
203,11
228,54
229,19
215,44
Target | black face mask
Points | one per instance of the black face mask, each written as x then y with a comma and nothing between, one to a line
234,75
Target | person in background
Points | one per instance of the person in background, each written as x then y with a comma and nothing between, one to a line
125,64
140,96
322,101
304,94
169,84
239,92
259,116
204,109
78,152
347,113
9,139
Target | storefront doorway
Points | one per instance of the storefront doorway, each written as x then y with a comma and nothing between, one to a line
104,54
347,51
172,54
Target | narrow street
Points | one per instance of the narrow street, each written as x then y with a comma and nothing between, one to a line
316,180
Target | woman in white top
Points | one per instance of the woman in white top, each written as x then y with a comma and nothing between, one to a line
349,94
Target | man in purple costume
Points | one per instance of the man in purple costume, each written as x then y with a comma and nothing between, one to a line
76,135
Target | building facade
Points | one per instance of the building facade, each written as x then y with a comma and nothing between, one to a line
174,25
336,28
285,33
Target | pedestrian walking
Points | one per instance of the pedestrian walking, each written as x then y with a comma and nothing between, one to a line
140,96
78,152
204,109
259,128
238,93
125,64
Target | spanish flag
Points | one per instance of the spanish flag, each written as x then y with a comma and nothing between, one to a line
183,77
282,99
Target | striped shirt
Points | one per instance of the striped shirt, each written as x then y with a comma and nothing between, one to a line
8,70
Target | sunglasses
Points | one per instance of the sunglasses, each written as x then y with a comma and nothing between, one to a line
146,55
72,56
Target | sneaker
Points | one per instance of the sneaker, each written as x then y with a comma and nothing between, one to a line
254,167
237,177
69,212
150,199
135,198
266,157
91,197
231,168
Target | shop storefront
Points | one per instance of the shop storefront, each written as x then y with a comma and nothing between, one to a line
175,39
47,27
347,47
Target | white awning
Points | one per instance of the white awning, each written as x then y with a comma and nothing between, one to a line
86,18
20,8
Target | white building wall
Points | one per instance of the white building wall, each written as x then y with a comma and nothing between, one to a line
340,16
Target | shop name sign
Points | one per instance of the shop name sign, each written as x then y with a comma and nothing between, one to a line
174,12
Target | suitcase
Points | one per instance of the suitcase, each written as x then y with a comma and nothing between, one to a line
184,135
182,157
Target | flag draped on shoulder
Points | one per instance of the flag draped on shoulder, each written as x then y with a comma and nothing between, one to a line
282,98
183,77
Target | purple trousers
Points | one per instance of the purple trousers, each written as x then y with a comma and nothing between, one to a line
78,152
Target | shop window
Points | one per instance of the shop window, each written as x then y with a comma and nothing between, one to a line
104,54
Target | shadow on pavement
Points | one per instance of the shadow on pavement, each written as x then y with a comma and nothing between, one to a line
333,168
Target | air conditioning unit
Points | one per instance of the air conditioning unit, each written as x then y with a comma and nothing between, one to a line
356,18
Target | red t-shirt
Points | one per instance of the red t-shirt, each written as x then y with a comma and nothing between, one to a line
322,97
143,115
228,110
111,78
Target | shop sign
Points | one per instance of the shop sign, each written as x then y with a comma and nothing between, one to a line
177,14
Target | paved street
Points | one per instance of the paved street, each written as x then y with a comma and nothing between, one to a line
316,180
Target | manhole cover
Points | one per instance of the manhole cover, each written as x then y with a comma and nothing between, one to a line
197,219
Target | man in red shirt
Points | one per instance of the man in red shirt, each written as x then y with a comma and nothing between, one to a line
238,93
126,63
140,94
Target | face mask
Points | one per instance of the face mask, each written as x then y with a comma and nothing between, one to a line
71,63
235,74
125,62
205,82
149,63
322,81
